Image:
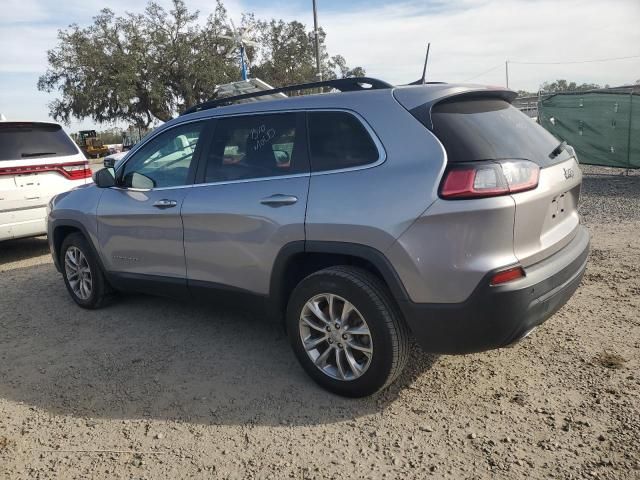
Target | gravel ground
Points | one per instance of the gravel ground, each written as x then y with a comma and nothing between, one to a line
151,388
610,195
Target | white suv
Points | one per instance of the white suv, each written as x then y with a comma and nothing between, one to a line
37,161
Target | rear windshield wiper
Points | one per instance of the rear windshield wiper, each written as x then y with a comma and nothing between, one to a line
558,150
36,154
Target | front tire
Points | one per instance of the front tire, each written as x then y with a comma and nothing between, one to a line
82,274
346,331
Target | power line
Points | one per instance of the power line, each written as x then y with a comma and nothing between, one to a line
483,73
576,61
611,59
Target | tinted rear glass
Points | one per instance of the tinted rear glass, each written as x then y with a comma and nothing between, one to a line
490,129
338,140
34,140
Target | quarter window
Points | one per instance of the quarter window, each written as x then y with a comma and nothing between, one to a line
473,129
164,161
339,140
255,146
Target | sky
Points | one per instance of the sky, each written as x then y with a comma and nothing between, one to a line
470,40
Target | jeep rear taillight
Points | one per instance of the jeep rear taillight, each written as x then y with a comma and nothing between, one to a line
489,179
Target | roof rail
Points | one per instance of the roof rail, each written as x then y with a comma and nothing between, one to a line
343,84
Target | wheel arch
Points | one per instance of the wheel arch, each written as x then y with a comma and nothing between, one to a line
297,260
61,230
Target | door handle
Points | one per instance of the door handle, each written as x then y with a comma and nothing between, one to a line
165,203
279,200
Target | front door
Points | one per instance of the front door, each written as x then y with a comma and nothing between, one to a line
250,201
139,225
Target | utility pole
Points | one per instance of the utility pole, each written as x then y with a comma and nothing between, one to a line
242,63
315,32
506,71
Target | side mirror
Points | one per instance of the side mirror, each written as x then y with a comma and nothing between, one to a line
104,178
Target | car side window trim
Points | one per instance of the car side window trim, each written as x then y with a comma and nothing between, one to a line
382,153
195,161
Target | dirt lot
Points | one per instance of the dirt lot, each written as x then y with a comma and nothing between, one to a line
150,388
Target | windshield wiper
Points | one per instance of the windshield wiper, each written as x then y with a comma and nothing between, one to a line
558,150
36,154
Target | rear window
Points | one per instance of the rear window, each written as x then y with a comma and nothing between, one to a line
491,129
34,140
338,140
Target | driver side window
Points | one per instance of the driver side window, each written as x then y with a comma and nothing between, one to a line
165,160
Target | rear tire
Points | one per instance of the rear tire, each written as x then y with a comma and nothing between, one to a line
82,273
353,354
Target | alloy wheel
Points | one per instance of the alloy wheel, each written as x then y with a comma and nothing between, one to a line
336,337
78,273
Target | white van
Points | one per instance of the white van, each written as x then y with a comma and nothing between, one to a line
37,161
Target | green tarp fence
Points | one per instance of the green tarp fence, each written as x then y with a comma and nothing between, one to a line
603,125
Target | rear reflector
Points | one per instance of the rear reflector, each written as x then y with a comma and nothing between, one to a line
71,170
507,275
489,179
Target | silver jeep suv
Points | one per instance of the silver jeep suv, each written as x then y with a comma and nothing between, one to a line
357,218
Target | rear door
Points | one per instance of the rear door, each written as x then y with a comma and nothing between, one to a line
486,129
139,224
249,203
547,217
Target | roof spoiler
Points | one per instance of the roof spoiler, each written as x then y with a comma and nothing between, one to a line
420,101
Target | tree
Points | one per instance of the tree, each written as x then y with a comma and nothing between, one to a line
137,68
564,86
140,68
344,71
287,54
525,93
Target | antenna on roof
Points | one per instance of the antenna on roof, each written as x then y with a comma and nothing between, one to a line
424,69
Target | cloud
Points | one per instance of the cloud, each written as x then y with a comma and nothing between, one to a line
468,37
15,11
24,47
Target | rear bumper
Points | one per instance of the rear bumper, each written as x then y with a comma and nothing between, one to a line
23,222
496,316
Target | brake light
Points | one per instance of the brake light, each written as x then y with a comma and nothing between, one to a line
72,170
507,275
489,179
77,171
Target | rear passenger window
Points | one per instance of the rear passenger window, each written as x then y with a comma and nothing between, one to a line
339,140
255,146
